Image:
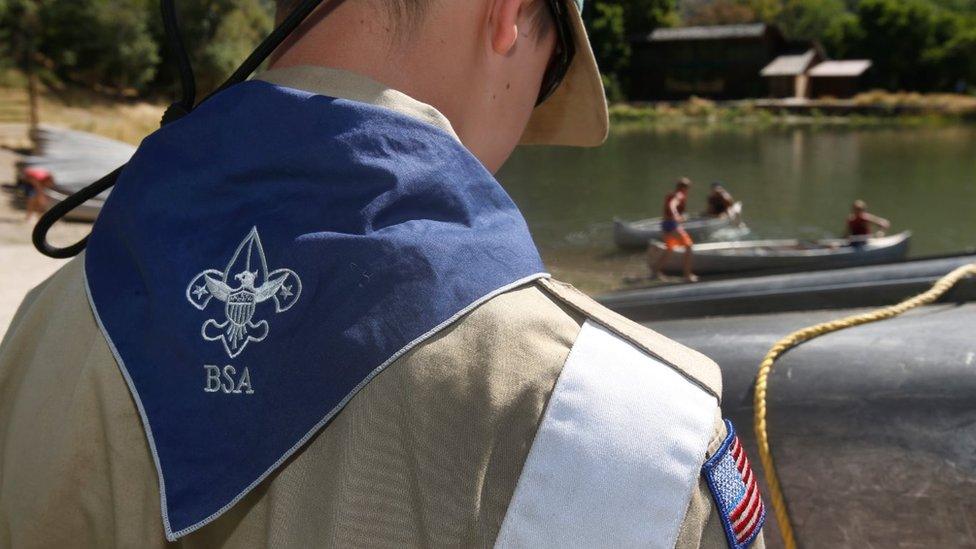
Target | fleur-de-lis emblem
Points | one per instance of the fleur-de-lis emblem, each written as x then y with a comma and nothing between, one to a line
255,285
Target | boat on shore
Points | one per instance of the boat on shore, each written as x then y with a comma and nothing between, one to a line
786,254
75,159
634,235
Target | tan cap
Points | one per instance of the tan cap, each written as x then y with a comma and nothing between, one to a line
576,114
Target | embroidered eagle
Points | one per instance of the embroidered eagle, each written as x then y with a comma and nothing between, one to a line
281,286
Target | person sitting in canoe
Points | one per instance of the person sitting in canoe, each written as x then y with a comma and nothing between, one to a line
719,201
860,222
673,233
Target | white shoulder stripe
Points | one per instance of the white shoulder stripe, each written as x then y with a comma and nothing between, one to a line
617,455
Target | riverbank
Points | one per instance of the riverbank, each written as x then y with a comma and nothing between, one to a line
866,109
131,120
126,120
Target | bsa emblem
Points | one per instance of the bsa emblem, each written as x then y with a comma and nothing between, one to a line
255,285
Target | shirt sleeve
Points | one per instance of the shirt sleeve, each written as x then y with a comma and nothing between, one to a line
618,455
702,527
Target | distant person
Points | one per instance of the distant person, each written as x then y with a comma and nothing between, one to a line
719,201
860,222
674,234
38,179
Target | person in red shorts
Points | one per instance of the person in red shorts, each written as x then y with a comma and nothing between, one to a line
673,234
860,222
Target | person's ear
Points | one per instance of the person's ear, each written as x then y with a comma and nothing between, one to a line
504,25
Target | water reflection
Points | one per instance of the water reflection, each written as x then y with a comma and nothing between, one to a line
794,182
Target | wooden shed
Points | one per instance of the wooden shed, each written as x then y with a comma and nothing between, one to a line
838,79
719,62
787,75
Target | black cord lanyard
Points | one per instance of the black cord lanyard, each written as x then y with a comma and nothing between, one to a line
175,111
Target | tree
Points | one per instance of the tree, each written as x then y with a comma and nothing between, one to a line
219,35
953,56
766,10
810,19
611,23
6,29
99,43
643,16
721,12
605,27
608,36
901,37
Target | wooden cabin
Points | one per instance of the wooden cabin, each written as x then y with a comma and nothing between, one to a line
787,75
718,62
839,79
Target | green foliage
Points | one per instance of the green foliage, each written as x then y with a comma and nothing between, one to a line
118,45
643,16
610,23
811,19
923,45
904,38
99,42
608,36
243,25
958,55
766,10
218,35
720,12
12,13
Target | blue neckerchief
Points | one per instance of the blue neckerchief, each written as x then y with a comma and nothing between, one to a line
263,258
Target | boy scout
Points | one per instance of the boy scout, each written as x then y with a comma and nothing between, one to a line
309,316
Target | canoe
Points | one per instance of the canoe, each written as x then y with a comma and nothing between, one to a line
76,159
871,427
789,254
634,235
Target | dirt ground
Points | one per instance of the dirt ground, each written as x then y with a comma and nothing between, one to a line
21,266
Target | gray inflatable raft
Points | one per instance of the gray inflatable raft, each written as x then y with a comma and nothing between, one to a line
873,428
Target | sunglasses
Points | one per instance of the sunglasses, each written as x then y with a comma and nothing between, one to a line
562,58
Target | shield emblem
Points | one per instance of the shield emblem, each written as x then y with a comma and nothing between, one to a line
240,307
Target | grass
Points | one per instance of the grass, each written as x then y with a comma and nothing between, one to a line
936,103
869,108
122,119
130,120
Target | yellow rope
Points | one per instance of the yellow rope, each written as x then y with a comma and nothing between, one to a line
759,418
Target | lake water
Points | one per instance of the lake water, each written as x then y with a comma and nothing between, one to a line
794,182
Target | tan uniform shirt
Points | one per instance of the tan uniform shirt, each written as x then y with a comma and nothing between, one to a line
437,450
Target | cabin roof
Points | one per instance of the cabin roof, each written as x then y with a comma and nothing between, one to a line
790,65
850,68
718,32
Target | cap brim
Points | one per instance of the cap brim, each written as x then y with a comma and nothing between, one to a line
576,113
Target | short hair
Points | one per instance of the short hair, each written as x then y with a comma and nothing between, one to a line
413,11
859,205
683,182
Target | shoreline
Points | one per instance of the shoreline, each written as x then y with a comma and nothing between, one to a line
867,109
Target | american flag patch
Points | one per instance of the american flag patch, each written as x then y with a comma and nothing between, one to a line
736,493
